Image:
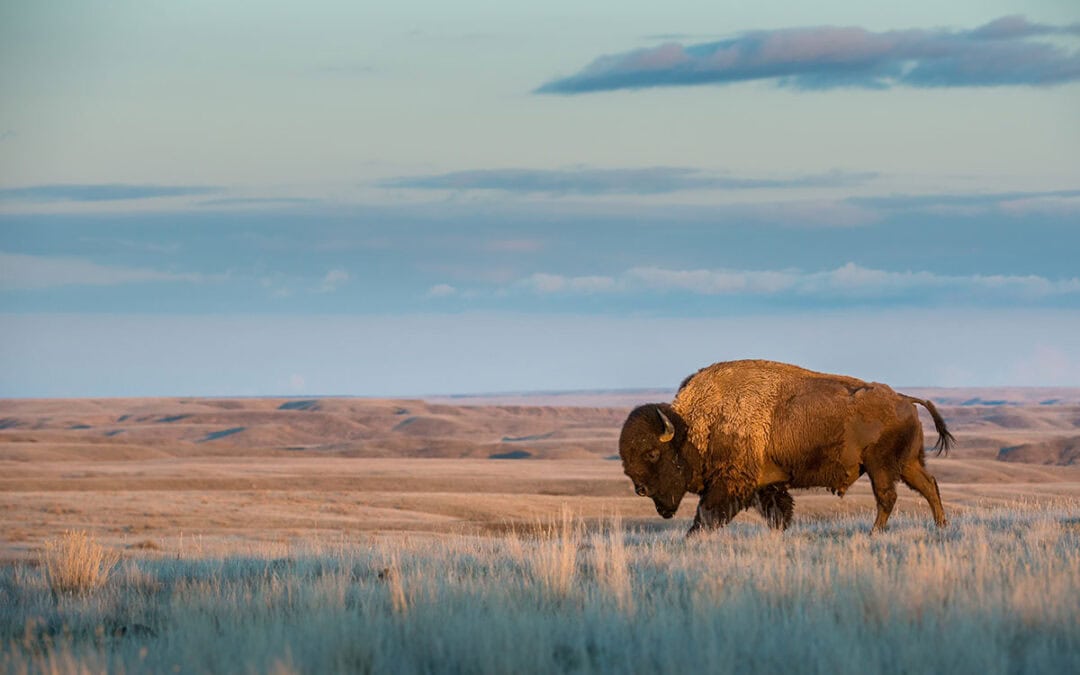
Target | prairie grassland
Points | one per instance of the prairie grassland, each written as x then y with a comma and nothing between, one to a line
996,592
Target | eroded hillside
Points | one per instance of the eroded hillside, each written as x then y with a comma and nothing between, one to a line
1031,426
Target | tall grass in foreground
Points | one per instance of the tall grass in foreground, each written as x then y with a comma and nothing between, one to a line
76,563
994,593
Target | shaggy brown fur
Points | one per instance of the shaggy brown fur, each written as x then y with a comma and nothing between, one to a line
746,431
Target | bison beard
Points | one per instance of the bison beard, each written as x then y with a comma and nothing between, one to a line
740,433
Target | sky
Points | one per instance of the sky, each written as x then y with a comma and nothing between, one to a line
413,198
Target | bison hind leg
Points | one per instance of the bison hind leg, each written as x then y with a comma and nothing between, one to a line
916,477
775,505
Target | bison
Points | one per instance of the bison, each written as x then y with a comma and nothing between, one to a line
740,433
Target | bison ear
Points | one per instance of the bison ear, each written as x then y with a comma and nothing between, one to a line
653,456
669,428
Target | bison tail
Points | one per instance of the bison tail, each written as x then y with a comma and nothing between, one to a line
945,439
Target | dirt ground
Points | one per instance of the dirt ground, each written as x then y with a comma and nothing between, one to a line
223,504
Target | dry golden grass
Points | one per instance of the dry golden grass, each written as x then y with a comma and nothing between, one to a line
199,505
611,560
392,576
75,563
994,593
555,562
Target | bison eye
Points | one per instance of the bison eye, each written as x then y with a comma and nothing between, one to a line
640,490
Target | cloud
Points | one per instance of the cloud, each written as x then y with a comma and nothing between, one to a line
1017,26
996,54
258,201
848,282
555,283
21,272
333,280
1054,207
586,181
799,213
104,192
711,282
441,291
969,202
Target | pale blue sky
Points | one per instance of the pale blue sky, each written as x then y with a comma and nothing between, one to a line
706,180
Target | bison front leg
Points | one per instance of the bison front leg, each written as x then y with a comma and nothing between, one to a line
883,481
775,504
715,509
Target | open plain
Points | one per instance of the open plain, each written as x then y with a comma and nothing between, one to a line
498,534
172,474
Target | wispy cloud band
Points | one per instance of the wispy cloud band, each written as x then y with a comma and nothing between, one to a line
22,272
848,282
593,181
101,192
998,53
902,201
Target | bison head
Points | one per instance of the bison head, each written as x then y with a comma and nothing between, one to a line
650,447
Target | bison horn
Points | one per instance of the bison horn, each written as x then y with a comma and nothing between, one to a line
669,428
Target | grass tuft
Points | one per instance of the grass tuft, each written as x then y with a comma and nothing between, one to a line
392,576
555,558
75,563
611,564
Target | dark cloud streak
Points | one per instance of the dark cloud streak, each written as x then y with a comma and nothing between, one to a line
259,201
103,192
584,181
998,53
905,202
1017,26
